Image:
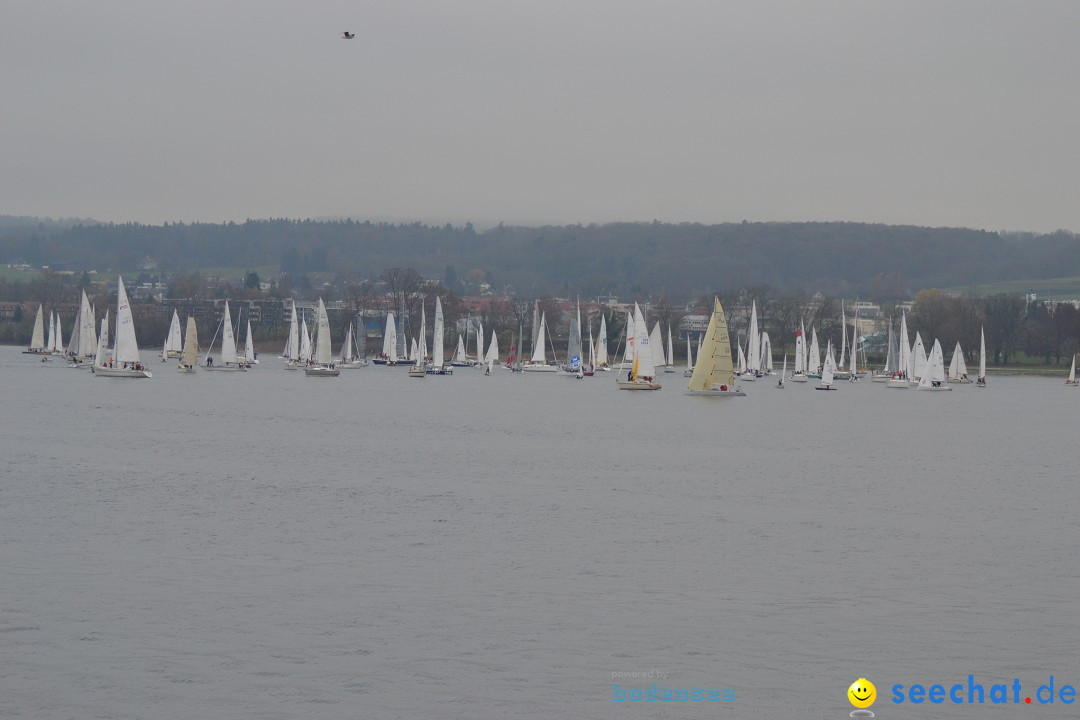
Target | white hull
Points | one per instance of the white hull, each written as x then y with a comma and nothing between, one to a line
960,381
624,385
538,367
747,377
717,393
416,372
185,368
121,373
321,371
941,388
225,368
353,365
898,384
797,378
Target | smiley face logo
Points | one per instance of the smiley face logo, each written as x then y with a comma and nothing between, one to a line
862,693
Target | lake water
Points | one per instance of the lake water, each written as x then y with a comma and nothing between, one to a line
267,545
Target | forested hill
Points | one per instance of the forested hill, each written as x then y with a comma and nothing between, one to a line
630,259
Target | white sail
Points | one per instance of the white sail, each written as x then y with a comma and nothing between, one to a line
173,343
493,350
689,354
190,355
459,353
918,358
51,344
390,338
643,362
228,340
670,348
631,333
37,340
953,373
127,346
905,348
742,361
601,343
656,345
853,367
982,355
800,352
843,335
249,345
437,336
753,342
347,348
538,355
827,369
713,367
1072,372
480,356
813,359
422,348
934,372
766,352
101,356
292,347
305,341
323,354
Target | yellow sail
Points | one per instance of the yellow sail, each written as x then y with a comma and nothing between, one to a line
714,366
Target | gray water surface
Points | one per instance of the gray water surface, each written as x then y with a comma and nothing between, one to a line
267,545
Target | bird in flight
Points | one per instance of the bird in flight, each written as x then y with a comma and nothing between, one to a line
347,35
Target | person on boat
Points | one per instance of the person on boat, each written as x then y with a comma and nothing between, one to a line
630,376
209,361
780,383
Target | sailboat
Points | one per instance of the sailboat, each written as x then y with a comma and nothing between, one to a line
799,374
981,380
101,356
601,346
813,356
292,345
918,360
750,367
538,361
827,373
573,345
37,340
227,359
390,336
714,375
642,374
438,365
957,372
933,377
1072,373
190,356
492,356
669,367
417,369
83,341
892,362
853,375
899,380
323,366
461,355
250,356
350,358
125,361
173,345
592,356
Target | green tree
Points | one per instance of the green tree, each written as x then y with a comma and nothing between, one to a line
251,280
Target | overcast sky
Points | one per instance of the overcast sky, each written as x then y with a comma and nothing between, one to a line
548,111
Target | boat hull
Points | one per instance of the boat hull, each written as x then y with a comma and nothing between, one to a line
625,385
417,372
716,393
540,368
190,369
225,368
319,371
931,388
121,372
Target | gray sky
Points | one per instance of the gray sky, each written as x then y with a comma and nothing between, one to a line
932,113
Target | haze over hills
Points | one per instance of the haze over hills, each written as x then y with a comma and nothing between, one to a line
630,259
